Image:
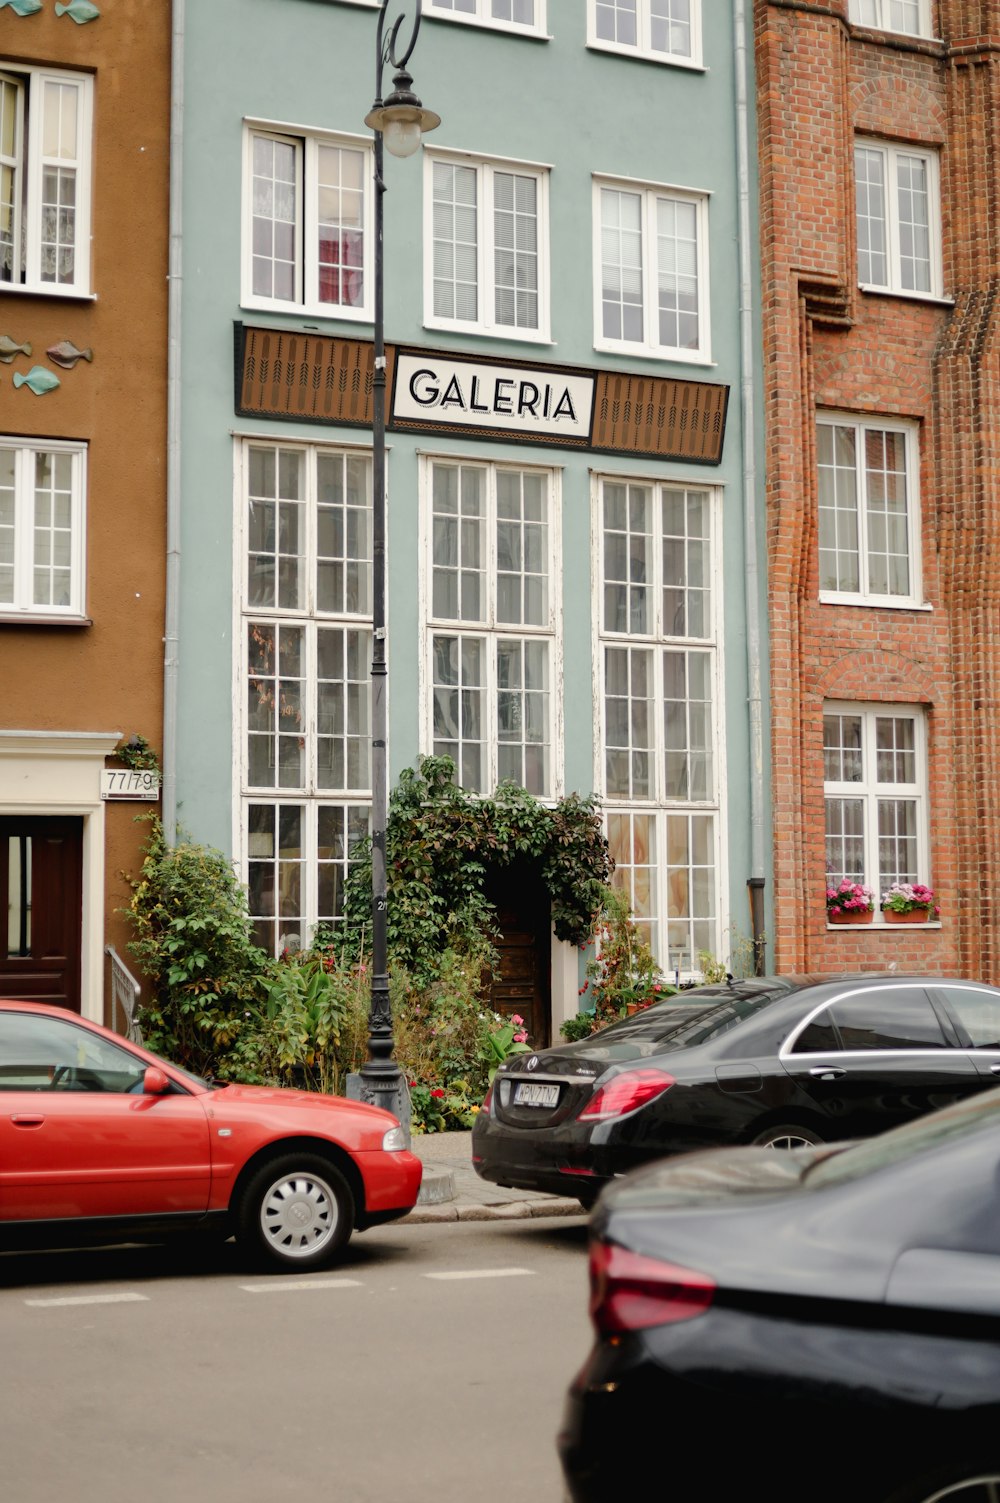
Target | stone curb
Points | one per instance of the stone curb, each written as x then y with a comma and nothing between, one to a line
511,1210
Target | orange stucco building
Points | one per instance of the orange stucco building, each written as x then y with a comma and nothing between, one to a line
84,222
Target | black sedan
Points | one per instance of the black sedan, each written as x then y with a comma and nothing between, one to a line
776,1061
822,1324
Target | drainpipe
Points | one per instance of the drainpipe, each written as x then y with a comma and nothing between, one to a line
755,882
174,283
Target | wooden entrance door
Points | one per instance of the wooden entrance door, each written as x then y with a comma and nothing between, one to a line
523,984
41,908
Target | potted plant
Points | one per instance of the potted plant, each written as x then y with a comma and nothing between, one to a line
849,903
903,903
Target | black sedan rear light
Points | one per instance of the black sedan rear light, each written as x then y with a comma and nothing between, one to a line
626,1092
629,1292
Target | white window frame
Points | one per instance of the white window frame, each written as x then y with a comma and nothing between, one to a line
489,629
483,16
659,806
870,791
306,143
891,153
485,168
643,47
29,166
308,795
650,344
883,17
23,607
910,433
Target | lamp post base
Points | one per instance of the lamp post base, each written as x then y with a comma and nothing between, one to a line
385,1089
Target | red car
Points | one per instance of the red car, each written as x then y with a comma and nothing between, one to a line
101,1141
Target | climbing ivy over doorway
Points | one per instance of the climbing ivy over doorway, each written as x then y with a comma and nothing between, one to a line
442,841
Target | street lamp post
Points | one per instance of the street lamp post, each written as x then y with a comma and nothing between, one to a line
397,124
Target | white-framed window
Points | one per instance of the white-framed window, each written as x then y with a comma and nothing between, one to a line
898,210
42,527
46,126
875,790
492,670
305,661
651,262
667,31
910,17
869,516
660,776
487,261
507,15
308,238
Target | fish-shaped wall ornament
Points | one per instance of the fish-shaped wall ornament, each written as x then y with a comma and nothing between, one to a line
38,380
23,7
66,354
80,11
8,349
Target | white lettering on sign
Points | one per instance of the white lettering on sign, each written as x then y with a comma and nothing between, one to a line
429,389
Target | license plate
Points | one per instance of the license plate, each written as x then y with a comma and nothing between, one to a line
532,1094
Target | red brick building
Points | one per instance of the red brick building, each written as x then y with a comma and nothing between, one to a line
878,126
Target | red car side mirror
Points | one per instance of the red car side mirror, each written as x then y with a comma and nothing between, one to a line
154,1082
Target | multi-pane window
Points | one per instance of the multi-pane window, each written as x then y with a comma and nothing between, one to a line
868,514
42,485
665,30
306,526
911,17
659,657
487,233
898,218
526,15
652,282
875,781
307,225
491,634
45,169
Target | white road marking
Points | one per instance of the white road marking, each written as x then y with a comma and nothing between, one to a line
284,1286
481,1273
90,1299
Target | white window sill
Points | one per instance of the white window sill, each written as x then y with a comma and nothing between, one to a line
827,597
39,618
327,311
476,331
47,289
938,299
650,352
637,54
881,925
486,23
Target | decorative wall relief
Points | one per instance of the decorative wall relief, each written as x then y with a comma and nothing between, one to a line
80,11
38,380
8,349
23,7
66,354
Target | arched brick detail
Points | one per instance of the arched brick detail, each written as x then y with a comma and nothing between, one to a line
874,381
895,106
890,677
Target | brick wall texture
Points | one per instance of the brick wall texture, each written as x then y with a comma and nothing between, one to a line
828,345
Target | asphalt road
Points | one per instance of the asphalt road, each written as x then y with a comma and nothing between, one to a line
428,1367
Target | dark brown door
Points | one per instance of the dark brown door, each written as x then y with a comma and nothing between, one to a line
41,906
523,983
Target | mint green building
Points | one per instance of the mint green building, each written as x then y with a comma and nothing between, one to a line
576,592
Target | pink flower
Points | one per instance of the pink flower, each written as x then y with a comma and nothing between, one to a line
521,1038
515,1017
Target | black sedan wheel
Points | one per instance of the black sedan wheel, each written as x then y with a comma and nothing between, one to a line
297,1212
968,1486
787,1135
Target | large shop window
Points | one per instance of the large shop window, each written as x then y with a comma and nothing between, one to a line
42,522
659,723
487,239
663,30
869,523
875,789
45,171
306,659
898,210
910,17
308,240
651,286
509,15
491,626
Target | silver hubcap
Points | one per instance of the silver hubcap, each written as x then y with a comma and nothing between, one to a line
789,1140
972,1490
298,1215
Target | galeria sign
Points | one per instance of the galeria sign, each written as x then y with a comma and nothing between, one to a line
515,399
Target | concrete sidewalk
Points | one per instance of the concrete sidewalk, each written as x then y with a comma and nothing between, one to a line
452,1190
